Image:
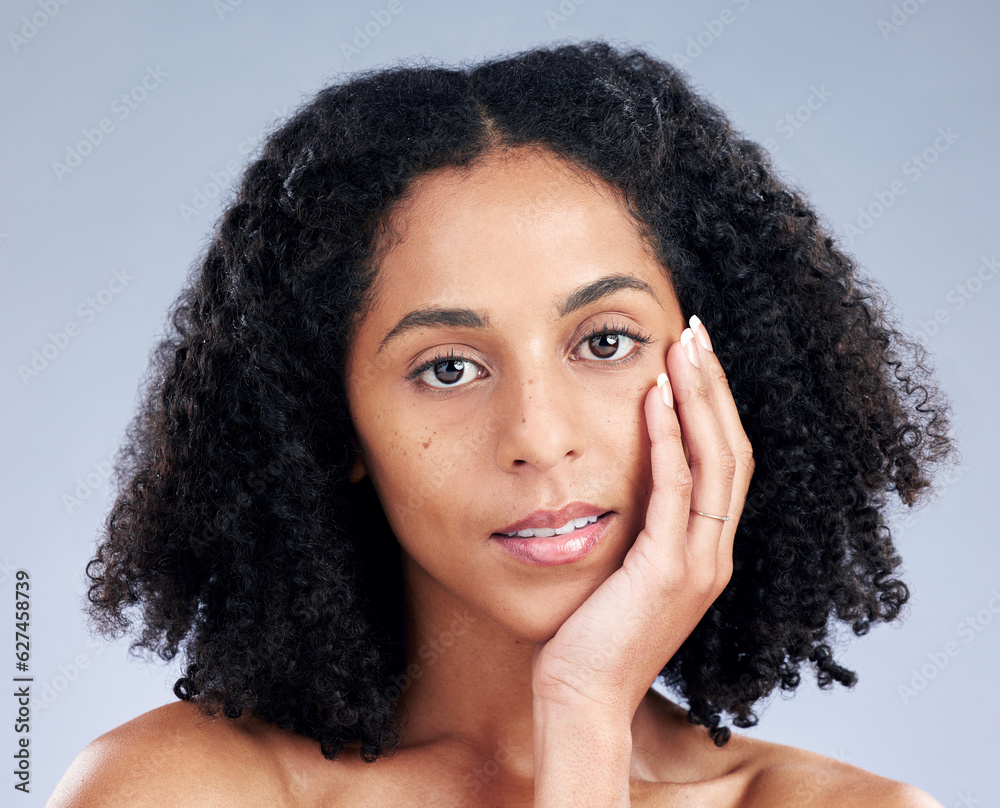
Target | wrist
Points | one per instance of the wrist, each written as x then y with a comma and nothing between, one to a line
572,711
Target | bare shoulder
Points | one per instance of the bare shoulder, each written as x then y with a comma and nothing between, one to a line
685,767
785,775
174,755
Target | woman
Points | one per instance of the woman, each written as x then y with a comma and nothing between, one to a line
439,469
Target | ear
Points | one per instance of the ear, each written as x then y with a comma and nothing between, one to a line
358,470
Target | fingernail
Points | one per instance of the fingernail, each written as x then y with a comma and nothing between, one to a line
701,333
665,393
690,350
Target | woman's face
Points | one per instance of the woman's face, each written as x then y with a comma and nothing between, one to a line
499,377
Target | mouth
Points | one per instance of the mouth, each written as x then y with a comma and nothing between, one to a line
546,546
546,532
542,523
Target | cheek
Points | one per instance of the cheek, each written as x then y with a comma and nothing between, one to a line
627,418
619,452
628,437
424,477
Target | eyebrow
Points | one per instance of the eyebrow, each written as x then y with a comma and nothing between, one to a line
467,318
603,287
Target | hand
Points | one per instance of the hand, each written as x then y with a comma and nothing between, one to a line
610,650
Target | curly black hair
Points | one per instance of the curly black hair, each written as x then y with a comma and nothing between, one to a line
236,531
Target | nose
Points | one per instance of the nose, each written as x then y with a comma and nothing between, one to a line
540,421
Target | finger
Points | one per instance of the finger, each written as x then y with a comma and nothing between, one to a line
729,418
662,540
711,460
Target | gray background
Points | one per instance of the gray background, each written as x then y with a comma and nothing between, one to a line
143,201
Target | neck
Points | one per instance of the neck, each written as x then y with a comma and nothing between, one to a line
468,683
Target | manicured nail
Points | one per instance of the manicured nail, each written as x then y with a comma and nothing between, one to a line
690,350
701,333
665,394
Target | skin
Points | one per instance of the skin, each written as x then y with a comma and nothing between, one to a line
528,685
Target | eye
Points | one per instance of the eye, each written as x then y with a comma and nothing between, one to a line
443,372
612,344
605,346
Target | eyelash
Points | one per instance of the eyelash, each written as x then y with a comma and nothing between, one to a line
640,338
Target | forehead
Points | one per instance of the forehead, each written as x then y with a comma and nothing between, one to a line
475,235
506,197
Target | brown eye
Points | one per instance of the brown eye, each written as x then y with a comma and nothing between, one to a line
449,372
604,346
611,346
444,373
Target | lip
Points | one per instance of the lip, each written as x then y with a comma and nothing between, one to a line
552,550
554,519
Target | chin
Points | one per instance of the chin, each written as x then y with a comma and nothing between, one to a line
537,619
